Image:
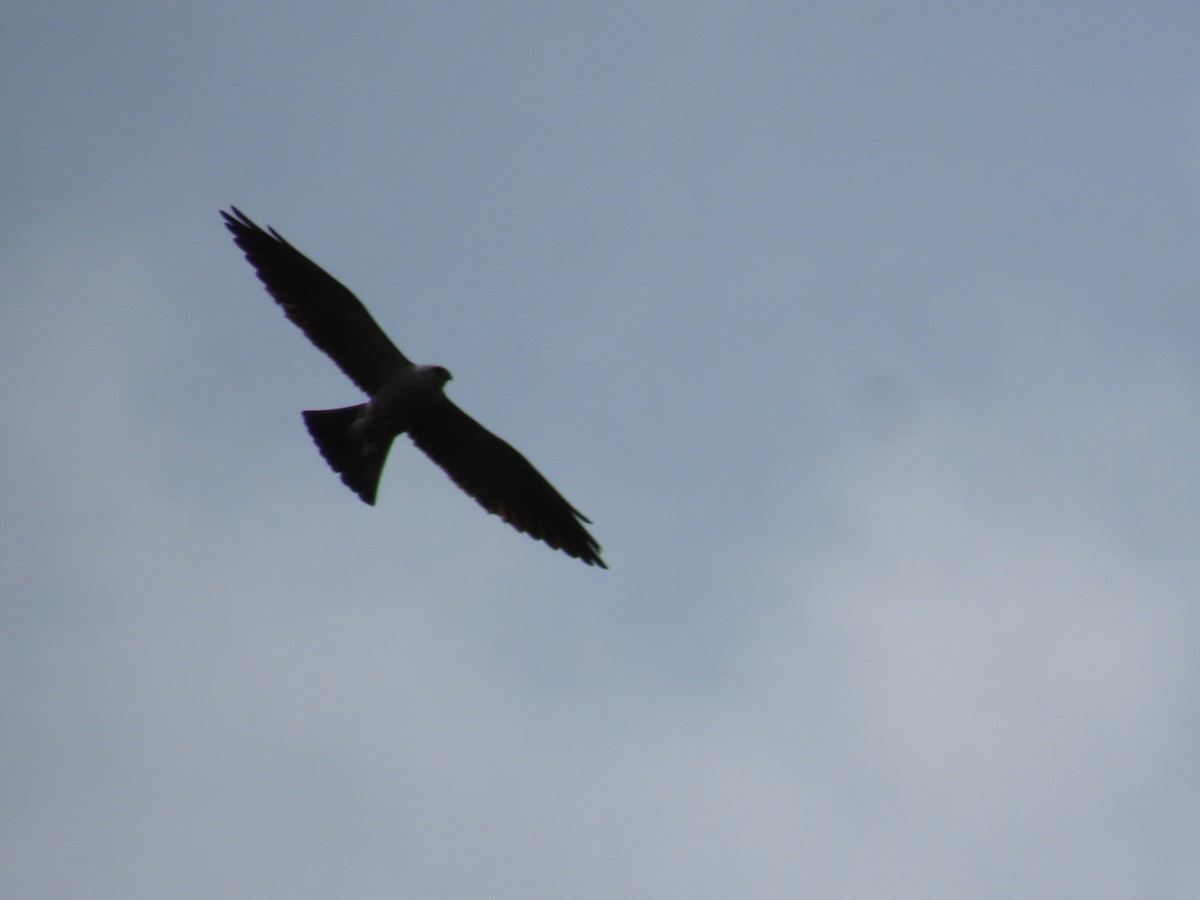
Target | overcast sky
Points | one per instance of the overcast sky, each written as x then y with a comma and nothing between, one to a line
866,333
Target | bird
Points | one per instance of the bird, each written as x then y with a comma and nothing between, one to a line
405,398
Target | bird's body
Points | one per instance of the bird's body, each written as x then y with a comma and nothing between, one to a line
404,399
406,396
355,439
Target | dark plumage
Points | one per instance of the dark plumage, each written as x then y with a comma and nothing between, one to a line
405,398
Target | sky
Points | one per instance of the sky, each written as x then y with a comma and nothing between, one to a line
866,334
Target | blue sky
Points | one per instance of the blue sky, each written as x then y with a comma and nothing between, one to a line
865,333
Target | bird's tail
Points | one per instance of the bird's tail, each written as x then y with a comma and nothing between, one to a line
349,452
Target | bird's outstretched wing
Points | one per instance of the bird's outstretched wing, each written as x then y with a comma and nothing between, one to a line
332,317
503,481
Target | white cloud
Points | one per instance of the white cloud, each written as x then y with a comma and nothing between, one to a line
1002,674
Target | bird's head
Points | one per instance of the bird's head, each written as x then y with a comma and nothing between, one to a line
437,374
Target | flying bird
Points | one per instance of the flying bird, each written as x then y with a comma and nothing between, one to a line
404,399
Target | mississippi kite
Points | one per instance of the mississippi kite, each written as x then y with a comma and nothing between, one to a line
405,398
